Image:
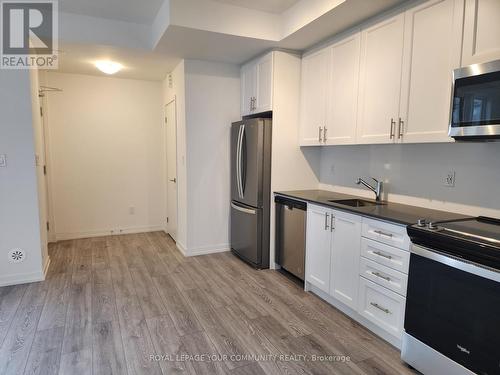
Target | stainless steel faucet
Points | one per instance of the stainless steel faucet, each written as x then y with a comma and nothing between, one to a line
377,190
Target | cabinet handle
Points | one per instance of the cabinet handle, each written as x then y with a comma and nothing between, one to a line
378,274
383,233
376,305
382,255
393,124
324,134
401,128
326,220
319,134
332,223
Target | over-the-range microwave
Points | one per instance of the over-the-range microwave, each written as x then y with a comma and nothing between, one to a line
475,102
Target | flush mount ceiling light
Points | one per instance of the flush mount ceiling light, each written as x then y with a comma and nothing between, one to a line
108,67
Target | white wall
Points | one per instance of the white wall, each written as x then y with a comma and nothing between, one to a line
106,150
414,173
19,211
212,104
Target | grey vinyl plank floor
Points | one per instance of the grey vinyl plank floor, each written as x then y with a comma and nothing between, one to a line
132,304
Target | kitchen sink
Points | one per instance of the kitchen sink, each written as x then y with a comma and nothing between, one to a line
356,202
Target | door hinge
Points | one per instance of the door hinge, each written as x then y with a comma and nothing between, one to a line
41,111
48,226
45,170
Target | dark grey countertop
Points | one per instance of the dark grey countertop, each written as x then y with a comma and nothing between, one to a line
393,212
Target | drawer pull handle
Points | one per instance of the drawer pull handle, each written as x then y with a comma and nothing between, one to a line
378,274
382,255
383,233
326,220
376,305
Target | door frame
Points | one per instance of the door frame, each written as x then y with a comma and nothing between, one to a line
47,157
173,101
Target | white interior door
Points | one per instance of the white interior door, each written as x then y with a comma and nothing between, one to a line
171,154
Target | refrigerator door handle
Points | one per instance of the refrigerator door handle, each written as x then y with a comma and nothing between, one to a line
238,165
240,160
242,209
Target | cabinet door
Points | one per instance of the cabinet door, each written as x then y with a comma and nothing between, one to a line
315,76
343,92
481,32
346,247
318,241
380,80
248,78
433,37
264,82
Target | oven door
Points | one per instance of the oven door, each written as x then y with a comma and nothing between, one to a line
454,308
475,111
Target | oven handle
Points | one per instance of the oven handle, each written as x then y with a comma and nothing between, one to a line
456,262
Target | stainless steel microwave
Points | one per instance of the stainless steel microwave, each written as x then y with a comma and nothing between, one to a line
475,102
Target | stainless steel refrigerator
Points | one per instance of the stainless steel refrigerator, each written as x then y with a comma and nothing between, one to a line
251,190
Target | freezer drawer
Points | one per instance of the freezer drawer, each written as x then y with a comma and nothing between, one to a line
291,235
246,232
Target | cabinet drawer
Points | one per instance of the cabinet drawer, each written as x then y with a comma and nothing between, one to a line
384,276
386,255
391,234
381,306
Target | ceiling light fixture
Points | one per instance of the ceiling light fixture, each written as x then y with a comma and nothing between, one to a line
108,67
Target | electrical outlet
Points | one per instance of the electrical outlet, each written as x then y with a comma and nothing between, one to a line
449,179
131,210
3,160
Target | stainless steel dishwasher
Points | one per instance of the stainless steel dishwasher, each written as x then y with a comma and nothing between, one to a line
291,235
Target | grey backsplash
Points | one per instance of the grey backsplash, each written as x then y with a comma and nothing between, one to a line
419,170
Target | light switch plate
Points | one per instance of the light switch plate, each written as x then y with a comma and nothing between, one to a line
3,160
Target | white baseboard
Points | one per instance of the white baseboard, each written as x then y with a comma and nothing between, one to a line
205,250
46,267
21,278
202,250
109,232
181,248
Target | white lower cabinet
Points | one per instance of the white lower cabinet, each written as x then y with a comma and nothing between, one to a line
381,306
318,242
346,244
359,265
385,276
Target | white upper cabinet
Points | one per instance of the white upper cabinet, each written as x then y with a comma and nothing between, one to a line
342,93
380,81
248,83
257,85
314,83
433,38
264,81
481,32
346,245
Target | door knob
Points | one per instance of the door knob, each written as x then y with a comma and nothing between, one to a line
173,180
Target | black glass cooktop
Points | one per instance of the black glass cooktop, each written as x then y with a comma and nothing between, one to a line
474,239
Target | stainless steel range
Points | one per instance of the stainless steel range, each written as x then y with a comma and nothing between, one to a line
452,318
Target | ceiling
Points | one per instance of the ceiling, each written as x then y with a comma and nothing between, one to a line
135,11
272,6
137,64
178,42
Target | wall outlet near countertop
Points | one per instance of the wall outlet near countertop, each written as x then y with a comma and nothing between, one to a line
131,210
3,160
449,179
